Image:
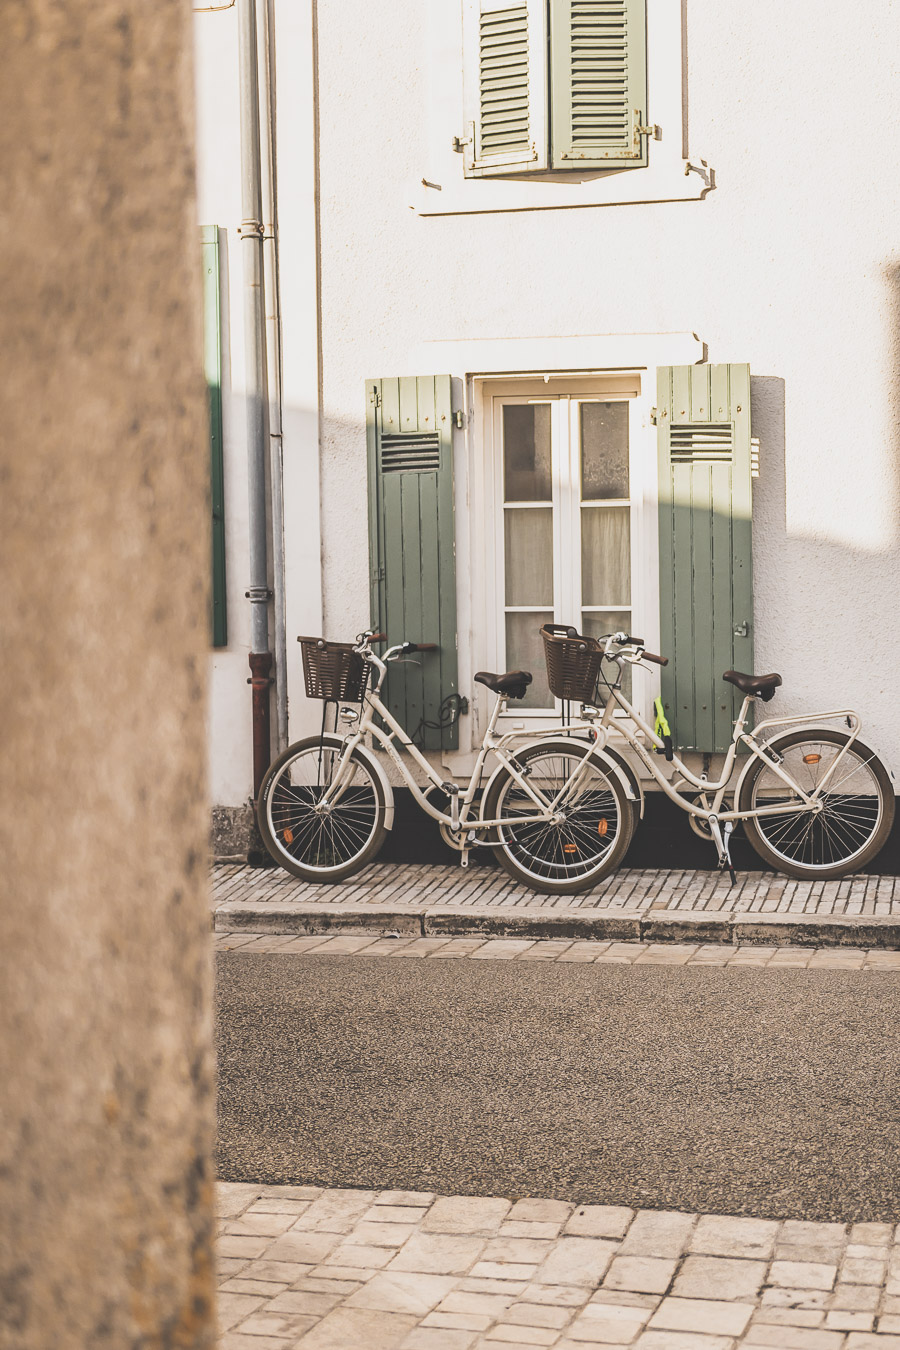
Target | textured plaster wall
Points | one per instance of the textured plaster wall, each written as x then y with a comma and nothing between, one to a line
792,264
105,1066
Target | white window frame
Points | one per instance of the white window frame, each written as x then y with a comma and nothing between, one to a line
565,395
673,173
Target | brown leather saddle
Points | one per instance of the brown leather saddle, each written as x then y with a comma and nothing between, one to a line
760,686
511,685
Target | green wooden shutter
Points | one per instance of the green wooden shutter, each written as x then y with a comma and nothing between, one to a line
505,87
411,543
598,83
705,557
212,361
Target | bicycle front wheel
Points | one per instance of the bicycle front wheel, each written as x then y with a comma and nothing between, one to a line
313,828
594,820
857,806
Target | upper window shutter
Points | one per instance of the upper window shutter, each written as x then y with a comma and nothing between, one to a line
505,87
598,82
705,547
212,361
412,548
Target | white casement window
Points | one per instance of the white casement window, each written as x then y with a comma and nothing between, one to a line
566,477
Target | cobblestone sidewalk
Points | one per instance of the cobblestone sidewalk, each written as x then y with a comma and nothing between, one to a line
674,891
397,1270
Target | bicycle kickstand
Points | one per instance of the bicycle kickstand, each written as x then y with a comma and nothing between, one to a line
722,836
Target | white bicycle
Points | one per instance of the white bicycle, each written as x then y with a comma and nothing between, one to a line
560,809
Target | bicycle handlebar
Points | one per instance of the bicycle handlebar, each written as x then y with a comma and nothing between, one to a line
657,660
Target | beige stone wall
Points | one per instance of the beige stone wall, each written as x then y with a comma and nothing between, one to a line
105,1066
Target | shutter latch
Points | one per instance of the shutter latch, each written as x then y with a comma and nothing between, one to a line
742,630
652,129
460,142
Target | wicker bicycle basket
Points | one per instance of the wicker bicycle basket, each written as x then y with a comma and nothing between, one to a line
333,670
573,664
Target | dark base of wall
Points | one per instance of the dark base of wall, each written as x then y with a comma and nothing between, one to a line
664,839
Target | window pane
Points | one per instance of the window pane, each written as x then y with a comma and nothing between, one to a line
600,624
525,651
526,452
528,555
606,555
604,451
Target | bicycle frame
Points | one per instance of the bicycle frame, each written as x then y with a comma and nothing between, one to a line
718,788
460,817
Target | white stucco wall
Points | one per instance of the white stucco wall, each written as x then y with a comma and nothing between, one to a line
792,263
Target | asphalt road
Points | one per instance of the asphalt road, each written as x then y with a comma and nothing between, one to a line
774,1093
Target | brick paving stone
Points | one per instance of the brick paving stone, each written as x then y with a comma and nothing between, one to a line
344,1327
855,1297
658,1233
790,1317
722,1236
860,1270
307,1248
719,1277
233,1308
539,1211
643,1274
695,1314
576,1260
794,1338
394,1213
682,1340
802,1274
505,1270
286,1325
605,1323
401,1291
335,1211
439,1253
520,1335
538,1315
509,1228
465,1214
457,1321
609,1221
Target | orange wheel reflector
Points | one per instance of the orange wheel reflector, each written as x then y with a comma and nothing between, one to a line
811,759
289,836
570,848
602,826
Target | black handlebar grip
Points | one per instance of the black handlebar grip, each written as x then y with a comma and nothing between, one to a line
657,660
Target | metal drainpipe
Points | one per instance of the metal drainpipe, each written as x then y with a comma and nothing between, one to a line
251,232
273,352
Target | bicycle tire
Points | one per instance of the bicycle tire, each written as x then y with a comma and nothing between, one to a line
856,820
573,856
316,847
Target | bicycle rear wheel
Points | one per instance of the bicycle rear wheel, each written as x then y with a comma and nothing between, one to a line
592,835
856,816
312,841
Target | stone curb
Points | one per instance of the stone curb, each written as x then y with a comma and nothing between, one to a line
743,929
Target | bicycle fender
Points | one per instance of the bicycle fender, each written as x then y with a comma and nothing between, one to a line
376,768
611,758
